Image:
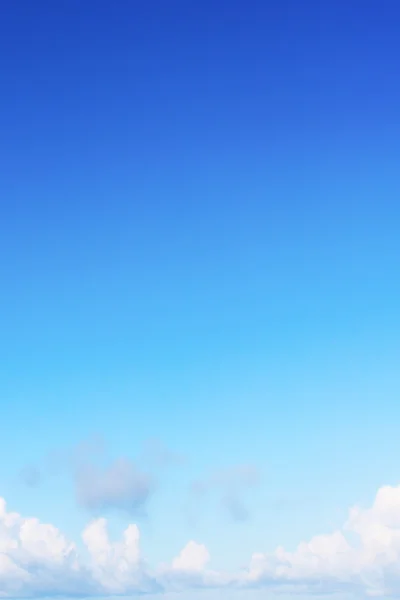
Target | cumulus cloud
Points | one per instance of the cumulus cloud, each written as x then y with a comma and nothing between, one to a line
37,560
364,556
117,567
193,558
361,559
230,485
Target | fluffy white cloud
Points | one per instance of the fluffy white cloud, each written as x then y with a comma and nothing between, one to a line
362,558
34,557
115,566
193,558
37,560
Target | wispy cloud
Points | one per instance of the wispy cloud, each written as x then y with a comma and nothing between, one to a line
31,475
158,455
102,483
120,486
230,485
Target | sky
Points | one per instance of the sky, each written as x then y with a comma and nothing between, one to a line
199,307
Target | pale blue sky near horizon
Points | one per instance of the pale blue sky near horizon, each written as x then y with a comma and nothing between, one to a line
200,245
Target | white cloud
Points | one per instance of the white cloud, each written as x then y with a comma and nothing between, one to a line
116,567
37,560
34,557
363,558
193,558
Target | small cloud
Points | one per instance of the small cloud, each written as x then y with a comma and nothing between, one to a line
238,476
235,508
230,485
61,462
120,486
192,558
159,456
31,476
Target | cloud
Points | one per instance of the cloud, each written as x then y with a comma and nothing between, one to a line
36,560
99,486
193,558
235,508
360,559
118,486
61,462
117,567
30,475
159,456
230,484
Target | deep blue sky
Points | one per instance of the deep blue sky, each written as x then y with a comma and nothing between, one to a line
200,244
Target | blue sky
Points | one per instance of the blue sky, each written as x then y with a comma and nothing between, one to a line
199,241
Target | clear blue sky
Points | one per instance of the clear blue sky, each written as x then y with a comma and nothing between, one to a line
200,244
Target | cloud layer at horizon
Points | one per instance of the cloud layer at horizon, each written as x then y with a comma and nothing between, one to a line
36,560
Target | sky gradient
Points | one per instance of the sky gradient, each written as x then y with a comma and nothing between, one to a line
200,297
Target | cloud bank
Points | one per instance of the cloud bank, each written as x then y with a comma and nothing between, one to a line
362,558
